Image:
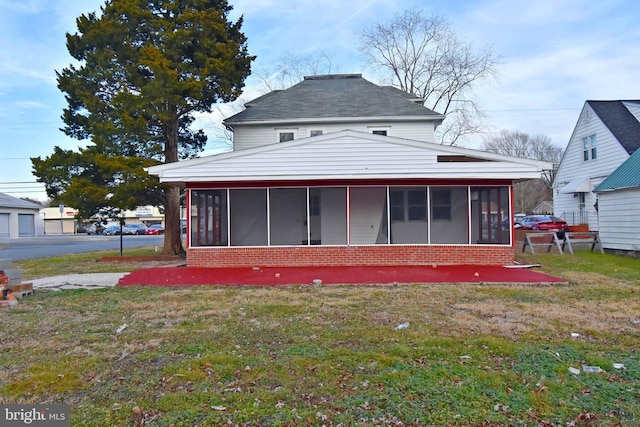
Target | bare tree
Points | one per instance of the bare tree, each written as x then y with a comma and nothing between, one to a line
422,55
291,69
530,193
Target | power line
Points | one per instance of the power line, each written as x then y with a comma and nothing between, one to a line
19,182
21,192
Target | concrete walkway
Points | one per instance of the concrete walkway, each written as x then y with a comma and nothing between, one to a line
77,281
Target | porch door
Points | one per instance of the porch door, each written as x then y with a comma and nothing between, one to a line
490,213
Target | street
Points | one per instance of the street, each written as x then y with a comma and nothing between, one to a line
52,245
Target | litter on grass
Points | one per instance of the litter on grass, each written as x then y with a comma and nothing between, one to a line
404,325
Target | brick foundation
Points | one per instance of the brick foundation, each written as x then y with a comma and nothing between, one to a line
300,256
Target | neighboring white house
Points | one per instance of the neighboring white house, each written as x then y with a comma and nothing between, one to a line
618,207
339,171
606,134
18,218
544,208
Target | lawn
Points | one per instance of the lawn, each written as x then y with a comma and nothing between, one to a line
331,355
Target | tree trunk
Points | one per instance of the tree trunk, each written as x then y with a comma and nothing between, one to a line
172,232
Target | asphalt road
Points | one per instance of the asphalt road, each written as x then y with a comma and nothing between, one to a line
52,245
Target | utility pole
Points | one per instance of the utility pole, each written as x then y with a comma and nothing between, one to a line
61,207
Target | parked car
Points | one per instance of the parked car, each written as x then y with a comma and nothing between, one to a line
543,222
111,230
134,229
155,229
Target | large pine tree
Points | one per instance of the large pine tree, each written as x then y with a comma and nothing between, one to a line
145,67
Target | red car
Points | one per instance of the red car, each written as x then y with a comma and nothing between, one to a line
543,222
154,230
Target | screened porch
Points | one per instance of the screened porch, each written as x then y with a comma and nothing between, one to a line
350,216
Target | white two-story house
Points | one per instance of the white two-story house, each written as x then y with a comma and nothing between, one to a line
606,134
339,171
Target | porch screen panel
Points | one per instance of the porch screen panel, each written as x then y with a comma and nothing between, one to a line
449,215
288,216
490,215
328,215
248,217
408,207
209,218
368,215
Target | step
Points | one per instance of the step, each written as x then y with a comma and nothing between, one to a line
21,287
23,294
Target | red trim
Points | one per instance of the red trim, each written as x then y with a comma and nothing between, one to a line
513,212
347,182
188,219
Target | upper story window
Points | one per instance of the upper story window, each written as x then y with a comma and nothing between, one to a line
315,132
286,135
589,149
379,130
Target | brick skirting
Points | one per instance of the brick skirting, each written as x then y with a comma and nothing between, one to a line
299,256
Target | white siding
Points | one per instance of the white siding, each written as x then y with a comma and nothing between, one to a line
610,155
348,156
619,222
259,135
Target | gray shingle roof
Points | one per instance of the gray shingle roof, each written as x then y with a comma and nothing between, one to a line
332,96
7,201
626,176
624,126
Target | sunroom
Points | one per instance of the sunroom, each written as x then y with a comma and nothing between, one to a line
349,198
350,215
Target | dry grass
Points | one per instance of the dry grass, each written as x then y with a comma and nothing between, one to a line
331,355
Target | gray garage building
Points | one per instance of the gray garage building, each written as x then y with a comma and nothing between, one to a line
18,218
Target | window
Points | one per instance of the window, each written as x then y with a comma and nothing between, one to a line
441,204
379,132
414,202
314,205
315,133
285,135
589,149
396,200
417,202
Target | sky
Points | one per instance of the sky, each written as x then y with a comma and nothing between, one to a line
555,55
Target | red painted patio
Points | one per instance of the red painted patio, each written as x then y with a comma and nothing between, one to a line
274,276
